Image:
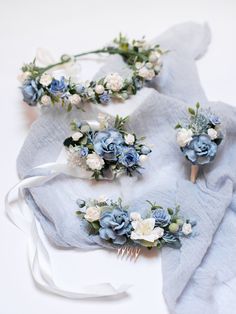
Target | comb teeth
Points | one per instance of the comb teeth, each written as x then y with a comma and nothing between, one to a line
128,252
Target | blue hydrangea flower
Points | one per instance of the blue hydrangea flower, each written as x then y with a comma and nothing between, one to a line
31,92
162,217
214,119
104,98
106,144
115,226
200,150
128,156
145,150
83,152
58,87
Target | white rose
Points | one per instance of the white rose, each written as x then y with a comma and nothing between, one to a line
90,92
22,77
76,136
143,158
74,99
146,73
99,89
135,216
187,228
92,213
129,139
138,65
114,82
45,79
144,229
184,136
94,161
45,100
154,56
212,133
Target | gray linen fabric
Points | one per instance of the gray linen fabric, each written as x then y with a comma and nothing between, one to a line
197,273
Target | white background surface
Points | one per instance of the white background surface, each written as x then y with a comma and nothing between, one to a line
69,27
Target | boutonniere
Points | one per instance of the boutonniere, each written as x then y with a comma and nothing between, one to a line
39,86
199,137
105,148
123,226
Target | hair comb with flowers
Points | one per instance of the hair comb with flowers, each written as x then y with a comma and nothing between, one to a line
40,87
199,137
128,230
104,148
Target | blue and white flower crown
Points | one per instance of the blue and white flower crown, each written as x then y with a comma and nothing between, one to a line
120,225
40,87
105,148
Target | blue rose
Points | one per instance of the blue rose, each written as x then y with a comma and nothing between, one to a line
31,92
214,120
128,156
80,89
115,226
58,87
145,150
83,151
200,150
104,98
106,143
162,217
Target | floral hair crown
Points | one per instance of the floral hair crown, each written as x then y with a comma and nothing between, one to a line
104,148
40,87
121,226
199,137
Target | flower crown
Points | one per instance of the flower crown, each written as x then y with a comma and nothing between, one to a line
40,87
118,225
199,136
106,148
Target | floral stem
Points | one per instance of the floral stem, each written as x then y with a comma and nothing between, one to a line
194,173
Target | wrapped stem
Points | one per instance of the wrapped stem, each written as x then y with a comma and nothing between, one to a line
194,173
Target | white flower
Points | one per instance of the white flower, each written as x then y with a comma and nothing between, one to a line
135,216
114,82
22,77
157,67
76,136
149,65
187,228
74,99
146,73
212,133
92,213
102,199
145,230
45,79
138,65
103,120
129,139
154,56
143,158
184,136
99,89
45,100
90,92
94,162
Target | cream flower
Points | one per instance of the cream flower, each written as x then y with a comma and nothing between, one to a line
103,120
143,158
184,136
94,162
212,133
102,199
145,230
22,77
74,99
92,213
45,79
114,82
154,56
146,73
45,100
187,228
135,216
129,139
76,136
99,89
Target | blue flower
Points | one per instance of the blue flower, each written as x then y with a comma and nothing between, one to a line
200,150
106,144
162,217
80,89
115,226
83,152
104,98
31,92
214,119
128,156
58,87
145,150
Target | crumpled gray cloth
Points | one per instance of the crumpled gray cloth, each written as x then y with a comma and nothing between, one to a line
197,275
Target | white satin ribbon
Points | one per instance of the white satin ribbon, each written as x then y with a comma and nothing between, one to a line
39,259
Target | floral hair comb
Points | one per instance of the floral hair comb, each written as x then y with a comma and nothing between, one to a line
199,137
128,230
40,87
105,148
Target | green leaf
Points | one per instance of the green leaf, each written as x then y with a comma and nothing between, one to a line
178,126
95,225
197,105
191,111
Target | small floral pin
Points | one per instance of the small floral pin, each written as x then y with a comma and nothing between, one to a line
199,137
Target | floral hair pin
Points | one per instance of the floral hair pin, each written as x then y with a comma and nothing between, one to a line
105,149
40,87
124,227
199,137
